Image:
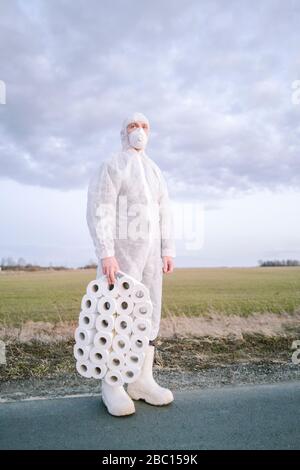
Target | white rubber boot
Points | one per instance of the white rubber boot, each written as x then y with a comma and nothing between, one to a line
116,400
145,387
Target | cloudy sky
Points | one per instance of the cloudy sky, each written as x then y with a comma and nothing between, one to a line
215,80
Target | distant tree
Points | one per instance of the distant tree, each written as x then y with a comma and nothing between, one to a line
11,261
276,262
92,264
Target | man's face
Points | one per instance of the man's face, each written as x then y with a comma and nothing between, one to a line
136,124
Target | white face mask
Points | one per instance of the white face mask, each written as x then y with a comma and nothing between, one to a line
138,138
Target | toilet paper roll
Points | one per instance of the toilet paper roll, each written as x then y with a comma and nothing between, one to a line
123,325
143,309
98,355
103,339
134,359
98,371
130,374
140,293
106,305
81,353
116,361
84,368
141,326
109,290
87,320
84,337
124,305
125,283
121,344
114,378
105,322
138,343
94,288
89,304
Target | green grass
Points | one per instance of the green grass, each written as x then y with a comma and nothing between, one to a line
240,291
56,295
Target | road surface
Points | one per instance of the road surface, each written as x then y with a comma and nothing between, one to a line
244,417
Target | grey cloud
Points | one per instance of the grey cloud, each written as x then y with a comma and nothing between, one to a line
214,81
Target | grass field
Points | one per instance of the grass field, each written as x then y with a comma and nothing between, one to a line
55,296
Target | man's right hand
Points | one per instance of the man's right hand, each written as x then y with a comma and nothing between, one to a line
110,267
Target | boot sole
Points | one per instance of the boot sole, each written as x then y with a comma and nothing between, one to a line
114,414
136,396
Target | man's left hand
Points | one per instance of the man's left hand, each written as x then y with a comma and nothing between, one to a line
168,264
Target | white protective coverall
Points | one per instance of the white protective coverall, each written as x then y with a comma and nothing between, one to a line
129,217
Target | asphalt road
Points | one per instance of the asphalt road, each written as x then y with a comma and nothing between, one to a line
244,417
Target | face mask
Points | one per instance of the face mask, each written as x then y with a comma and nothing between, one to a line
138,138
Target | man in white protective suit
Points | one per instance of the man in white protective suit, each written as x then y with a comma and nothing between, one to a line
130,221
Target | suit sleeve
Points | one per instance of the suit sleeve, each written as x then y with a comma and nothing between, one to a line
101,209
168,247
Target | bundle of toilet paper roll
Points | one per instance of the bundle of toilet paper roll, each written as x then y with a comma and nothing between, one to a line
113,331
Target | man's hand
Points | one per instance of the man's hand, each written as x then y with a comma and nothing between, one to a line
110,267
168,266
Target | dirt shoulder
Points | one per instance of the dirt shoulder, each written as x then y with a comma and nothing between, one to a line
213,325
